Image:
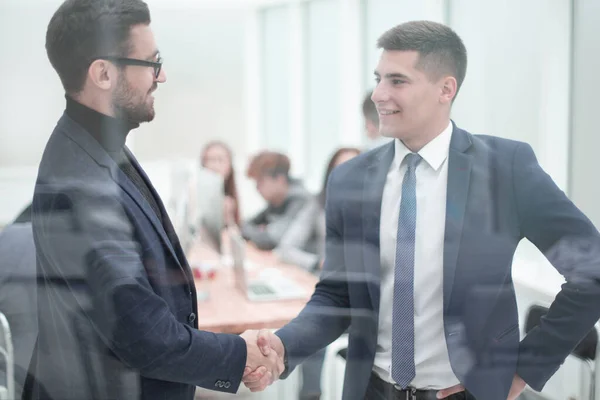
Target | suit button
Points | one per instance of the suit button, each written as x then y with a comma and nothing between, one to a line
191,318
227,385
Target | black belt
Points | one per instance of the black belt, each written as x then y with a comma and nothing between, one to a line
392,392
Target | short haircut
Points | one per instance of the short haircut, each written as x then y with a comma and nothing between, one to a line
81,30
268,163
441,50
369,110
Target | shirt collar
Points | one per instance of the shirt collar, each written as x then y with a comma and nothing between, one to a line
434,152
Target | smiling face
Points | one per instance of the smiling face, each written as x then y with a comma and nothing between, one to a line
132,97
412,106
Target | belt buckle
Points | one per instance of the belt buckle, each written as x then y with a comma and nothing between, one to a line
411,393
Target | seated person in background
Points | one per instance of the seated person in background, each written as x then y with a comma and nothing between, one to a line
304,242
285,197
218,157
304,245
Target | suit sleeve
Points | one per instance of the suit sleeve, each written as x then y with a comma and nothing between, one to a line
327,314
572,244
84,235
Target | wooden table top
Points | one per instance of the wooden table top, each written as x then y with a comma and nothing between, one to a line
227,310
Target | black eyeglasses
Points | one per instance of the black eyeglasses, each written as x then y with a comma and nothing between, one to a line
157,65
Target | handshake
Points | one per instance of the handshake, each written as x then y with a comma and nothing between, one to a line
264,362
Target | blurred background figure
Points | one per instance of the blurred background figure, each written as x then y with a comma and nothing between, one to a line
218,157
304,242
285,198
304,245
371,116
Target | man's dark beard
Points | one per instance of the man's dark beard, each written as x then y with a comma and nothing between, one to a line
125,106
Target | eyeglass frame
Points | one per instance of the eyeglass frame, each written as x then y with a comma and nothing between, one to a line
157,65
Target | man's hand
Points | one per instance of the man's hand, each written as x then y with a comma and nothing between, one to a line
518,385
263,366
517,388
270,347
442,394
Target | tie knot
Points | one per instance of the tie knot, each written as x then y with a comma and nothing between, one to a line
412,160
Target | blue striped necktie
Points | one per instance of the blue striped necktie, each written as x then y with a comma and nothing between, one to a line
403,315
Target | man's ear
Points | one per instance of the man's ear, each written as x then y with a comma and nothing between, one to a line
102,74
448,89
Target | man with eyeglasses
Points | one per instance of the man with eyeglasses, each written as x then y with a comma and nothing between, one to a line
117,304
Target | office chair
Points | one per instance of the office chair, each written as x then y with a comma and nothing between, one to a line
6,350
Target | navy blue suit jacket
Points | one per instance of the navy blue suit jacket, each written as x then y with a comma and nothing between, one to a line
497,195
117,301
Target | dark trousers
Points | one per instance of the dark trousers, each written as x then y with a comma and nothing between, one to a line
378,389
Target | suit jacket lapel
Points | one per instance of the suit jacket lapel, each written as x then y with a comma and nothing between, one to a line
374,182
128,186
158,225
459,175
93,148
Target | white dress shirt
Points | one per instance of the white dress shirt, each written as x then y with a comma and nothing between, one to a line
433,370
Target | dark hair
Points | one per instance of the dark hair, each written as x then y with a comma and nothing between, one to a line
229,186
83,29
441,50
269,163
322,196
369,110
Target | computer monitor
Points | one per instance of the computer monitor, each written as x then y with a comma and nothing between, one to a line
175,188
181,223
210,199
238,252
272,287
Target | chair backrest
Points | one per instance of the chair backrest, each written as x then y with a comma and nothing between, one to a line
6,351
209,201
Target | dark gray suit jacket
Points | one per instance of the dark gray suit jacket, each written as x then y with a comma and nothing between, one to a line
497,195
117,301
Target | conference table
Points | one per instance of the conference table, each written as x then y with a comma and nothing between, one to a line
223,308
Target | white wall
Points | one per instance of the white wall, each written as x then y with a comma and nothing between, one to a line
586,85
31,100
517,83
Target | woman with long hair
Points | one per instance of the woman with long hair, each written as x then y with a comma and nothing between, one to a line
217,156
